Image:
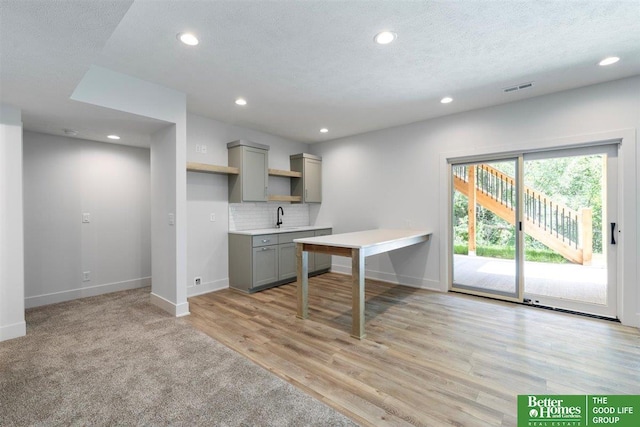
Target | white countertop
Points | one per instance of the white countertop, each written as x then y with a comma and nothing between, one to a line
274,230
365,239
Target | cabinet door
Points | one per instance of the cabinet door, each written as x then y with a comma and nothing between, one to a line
312,181
287,261
254,175
265,265
322,261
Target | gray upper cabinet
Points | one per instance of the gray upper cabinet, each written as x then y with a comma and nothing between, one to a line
252,161
309,187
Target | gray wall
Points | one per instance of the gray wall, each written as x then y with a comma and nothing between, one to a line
207,242
63,178
393,177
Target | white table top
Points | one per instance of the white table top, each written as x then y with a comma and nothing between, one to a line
365,239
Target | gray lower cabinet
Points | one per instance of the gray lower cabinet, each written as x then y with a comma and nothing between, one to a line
265,265
321,261
288,267
263,261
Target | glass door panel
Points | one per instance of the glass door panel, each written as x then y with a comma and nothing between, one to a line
569,261
485,237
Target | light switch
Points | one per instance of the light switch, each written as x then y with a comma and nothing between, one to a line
198,148
86,218
203,149
172,219
212,217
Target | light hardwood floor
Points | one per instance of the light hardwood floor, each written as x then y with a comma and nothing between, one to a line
429,358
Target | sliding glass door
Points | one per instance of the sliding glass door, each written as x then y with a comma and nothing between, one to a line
538,228
570,203
485,237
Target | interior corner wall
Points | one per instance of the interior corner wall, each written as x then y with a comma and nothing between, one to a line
12,322
391,178
65,178
207,241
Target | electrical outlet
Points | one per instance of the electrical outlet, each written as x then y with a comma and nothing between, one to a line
86,218
197,281
86,276
198,148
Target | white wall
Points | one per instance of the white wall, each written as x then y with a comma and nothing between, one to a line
64,178
207,242
165,292
392,178
12,323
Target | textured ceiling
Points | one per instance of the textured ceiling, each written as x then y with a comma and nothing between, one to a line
303,65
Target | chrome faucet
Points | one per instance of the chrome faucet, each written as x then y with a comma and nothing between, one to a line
279,221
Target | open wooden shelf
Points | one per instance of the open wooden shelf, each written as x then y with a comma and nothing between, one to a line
204,167
283,198
280,172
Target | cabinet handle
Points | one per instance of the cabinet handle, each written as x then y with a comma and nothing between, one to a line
266,240
267,249
306,193
265,191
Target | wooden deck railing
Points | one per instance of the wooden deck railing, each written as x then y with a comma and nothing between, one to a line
559,227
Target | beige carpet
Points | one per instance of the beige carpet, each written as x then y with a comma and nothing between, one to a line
117,360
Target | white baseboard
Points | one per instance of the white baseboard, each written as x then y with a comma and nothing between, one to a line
205,288
15,330
382,276
56,297
177,310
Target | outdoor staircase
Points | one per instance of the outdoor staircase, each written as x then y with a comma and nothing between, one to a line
558,227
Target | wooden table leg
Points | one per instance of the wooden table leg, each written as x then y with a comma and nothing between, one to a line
303,282
357,293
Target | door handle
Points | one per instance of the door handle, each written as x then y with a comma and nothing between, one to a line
613,237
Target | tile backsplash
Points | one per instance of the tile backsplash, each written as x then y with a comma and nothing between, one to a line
253,216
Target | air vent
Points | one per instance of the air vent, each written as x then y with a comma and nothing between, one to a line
518,87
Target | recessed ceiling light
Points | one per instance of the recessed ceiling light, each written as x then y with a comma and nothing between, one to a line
70,132
188,39
241,101
113,137
385,37
446,100
324,130
608,61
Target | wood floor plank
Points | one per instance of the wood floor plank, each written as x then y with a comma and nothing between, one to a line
429,359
